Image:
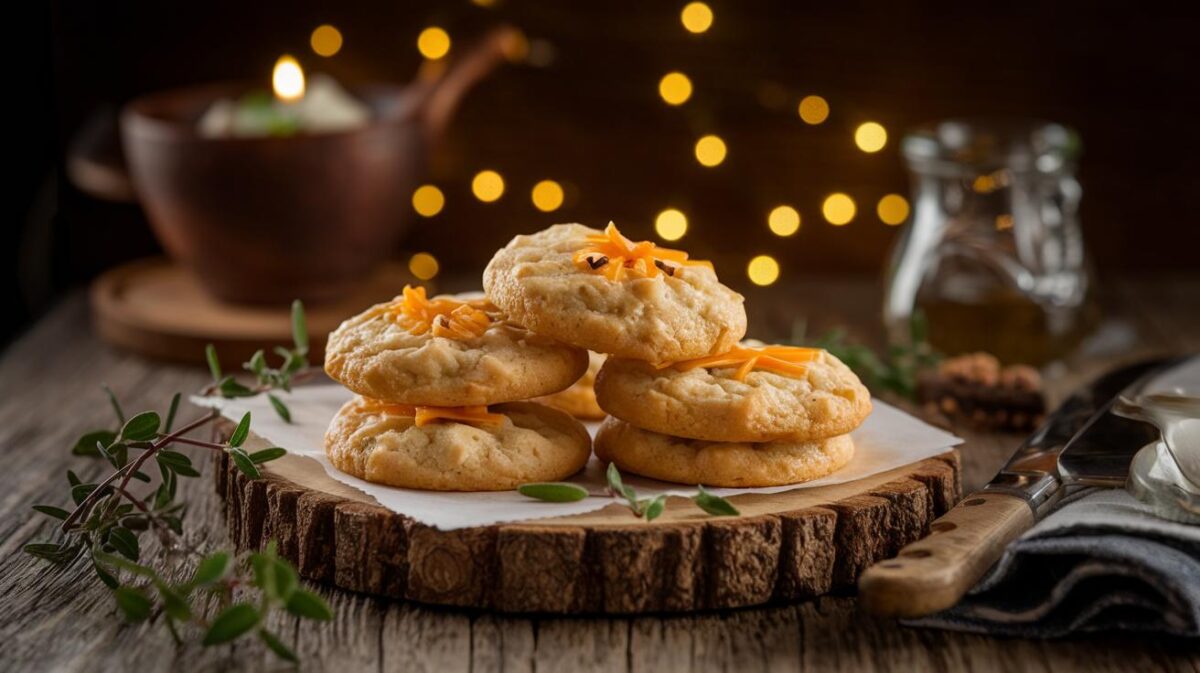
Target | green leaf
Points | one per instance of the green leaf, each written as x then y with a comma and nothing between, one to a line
49,551
714,504
243,462
80,492
171,413
125,542
264,574
87,444
214,365
655,508
133,603
257,362
72,478
241,432
116,405
124,564
307,604
176,462
286,579
50,510
116,453
105,576
280,407
267,455
212,568
228,387
553,491
618,487
276,645
299,327
173,602
233,621
142,427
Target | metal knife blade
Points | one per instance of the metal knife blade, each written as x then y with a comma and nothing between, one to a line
1033,471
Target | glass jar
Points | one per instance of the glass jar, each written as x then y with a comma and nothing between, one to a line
993,256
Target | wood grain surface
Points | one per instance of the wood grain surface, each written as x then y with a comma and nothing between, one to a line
64,620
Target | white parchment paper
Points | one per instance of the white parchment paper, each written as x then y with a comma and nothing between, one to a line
887,440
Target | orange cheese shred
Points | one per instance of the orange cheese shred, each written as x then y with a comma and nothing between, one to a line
422,416
447,318
617,257
786,360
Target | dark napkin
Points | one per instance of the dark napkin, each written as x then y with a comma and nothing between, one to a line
1101,561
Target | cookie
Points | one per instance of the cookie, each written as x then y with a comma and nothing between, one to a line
728,464
465,449
580,399
603,292
447,351
745,395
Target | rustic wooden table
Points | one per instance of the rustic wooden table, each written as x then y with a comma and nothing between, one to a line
63,620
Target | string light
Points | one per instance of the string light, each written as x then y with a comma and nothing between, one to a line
984,184
710,151
813,110
433,43
838,209
870,137
784,221
763,270
671,225
675,88
1004,222
697,17
892,209
428,200
326,40
487,186
547,196
423,265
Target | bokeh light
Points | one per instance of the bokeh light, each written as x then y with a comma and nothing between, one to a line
675,88
784,221
697,17
710,150
433,43
487,186
1004,222
287,79
671,225
892,209
547,196
763,270
428,200
813,109
326,40
423,265
870,137
838,209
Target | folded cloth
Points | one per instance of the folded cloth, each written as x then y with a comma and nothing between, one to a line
1101,561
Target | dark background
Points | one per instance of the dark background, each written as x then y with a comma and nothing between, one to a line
1124,75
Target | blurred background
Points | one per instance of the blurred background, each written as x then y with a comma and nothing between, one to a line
720,127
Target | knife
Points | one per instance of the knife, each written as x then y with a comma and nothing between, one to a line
1080,443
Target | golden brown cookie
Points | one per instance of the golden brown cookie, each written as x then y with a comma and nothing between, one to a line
601,291
744,395
447,351
727,464
472,449
580,399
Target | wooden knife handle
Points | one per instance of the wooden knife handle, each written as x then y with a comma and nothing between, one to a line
933,573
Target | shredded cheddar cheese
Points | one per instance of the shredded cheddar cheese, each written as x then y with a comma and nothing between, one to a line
786,360
443,317
422,416
616,257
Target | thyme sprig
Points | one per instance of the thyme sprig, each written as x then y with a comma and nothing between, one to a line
294,368
644,508
896,371
108,518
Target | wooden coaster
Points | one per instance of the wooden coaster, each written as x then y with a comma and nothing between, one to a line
784,547
159,309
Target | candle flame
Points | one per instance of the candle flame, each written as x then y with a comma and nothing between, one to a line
288,79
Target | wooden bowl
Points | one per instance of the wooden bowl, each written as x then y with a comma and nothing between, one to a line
269,219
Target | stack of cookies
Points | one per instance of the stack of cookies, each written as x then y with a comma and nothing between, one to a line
440,385
689,403
440,381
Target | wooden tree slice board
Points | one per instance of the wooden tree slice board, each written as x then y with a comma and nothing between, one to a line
785,546
157,308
